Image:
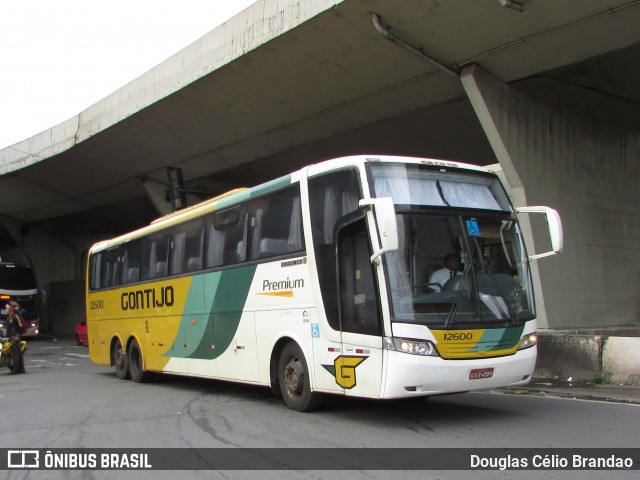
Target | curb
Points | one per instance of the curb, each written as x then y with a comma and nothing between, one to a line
622,394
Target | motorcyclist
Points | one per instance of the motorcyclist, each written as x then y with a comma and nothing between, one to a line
15,329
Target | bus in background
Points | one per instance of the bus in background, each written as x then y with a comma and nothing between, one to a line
17,282
319,283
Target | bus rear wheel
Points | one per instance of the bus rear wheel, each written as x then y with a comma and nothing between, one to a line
136,370
293,377
120,361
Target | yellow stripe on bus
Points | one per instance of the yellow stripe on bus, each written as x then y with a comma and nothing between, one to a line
478,343
281,293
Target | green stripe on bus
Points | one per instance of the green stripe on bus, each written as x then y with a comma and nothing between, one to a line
233,199
184,345
498,339
253,192
225,294
271,186
224,317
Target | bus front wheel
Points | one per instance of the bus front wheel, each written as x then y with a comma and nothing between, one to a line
293,377
120,361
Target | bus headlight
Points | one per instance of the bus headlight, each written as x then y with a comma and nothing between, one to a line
528,341
410,345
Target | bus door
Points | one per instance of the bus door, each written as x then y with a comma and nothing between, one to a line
359,367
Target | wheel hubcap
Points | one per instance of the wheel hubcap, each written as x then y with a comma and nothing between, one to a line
119,358
293,374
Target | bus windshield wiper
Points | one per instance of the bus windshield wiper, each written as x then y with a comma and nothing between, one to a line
454,307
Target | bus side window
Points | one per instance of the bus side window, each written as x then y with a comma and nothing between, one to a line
192,260
186,247
131,262
276,224
227,237
178,241
95,269
155,253
215,245
110,268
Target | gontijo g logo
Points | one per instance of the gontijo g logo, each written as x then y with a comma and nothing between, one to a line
344,370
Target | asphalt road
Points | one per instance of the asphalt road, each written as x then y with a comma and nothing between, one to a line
65,401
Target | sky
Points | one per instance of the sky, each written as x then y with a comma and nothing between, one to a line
59,57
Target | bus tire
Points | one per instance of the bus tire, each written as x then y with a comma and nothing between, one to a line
293,377
136,370
120,361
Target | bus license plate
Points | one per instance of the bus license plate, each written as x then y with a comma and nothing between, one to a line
480,373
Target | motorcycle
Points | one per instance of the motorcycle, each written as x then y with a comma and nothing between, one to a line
5,351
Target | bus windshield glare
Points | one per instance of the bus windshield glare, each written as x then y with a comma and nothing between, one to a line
463,221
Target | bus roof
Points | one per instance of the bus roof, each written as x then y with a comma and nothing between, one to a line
238,195
358,160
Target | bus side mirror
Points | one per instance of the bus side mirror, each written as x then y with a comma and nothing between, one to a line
555,229
385,215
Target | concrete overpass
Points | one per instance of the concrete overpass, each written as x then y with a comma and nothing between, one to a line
549,92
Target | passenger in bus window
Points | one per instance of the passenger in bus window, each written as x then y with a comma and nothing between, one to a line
450,269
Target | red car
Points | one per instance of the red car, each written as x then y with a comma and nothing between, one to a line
81,333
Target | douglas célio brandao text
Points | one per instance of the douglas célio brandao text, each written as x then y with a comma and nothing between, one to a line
550,462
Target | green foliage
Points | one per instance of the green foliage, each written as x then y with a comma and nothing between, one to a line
600,379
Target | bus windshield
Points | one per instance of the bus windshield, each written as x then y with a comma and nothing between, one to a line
461,261
17,282
16,277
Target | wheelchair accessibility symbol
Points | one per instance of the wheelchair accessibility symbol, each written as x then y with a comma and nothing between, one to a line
473,228
315,330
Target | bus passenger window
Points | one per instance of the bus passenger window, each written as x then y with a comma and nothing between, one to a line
215,246
155,255
276,225
131,255
227,237
192,260
95,262
186,247
110,268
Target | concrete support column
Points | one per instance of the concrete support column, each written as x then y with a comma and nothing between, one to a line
490,99
574,149
157,193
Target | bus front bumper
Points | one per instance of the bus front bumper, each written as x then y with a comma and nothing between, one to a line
414,375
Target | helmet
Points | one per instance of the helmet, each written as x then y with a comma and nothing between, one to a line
13,305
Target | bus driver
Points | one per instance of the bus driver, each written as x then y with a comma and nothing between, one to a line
440,277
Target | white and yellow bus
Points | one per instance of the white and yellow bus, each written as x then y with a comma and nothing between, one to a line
318,283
